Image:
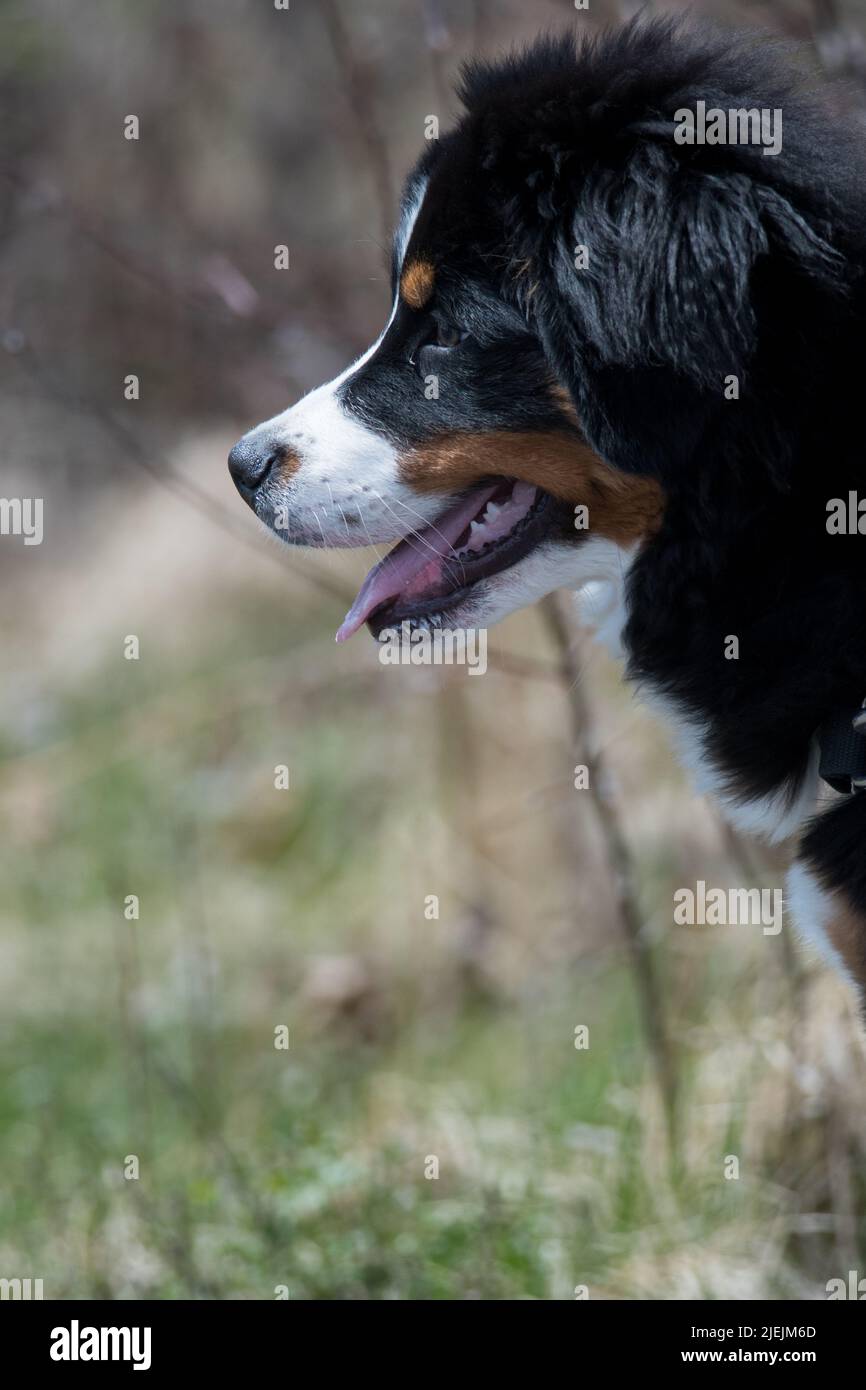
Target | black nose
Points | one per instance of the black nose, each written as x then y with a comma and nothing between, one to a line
249,464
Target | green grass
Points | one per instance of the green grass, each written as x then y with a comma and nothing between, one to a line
410,1038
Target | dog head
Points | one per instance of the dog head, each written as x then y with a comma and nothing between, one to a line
572,289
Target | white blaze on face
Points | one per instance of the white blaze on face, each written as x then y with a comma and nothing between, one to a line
345,489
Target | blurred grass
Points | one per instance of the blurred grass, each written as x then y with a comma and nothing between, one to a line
409,1038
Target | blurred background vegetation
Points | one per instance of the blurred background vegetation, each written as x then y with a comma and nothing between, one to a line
411,1037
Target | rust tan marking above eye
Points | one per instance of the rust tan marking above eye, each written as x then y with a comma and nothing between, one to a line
416,283
622,506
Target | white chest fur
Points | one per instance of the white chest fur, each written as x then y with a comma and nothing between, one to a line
603,607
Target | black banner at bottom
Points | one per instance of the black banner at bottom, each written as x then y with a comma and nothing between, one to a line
154,1338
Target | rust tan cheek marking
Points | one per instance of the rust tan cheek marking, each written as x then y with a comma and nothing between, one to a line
416,283
622,506
287,464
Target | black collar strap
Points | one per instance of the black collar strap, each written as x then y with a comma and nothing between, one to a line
842,741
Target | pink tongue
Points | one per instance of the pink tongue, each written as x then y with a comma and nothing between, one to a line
423,551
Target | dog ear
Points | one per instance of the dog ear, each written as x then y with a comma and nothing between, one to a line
659,283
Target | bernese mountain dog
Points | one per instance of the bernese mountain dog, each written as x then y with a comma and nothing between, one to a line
624,356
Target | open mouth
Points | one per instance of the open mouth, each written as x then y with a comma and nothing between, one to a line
488,530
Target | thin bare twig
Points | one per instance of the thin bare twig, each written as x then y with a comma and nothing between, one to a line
621,869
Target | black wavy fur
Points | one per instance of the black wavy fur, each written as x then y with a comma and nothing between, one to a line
704,262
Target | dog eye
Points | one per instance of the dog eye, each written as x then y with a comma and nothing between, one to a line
448,335
442,337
